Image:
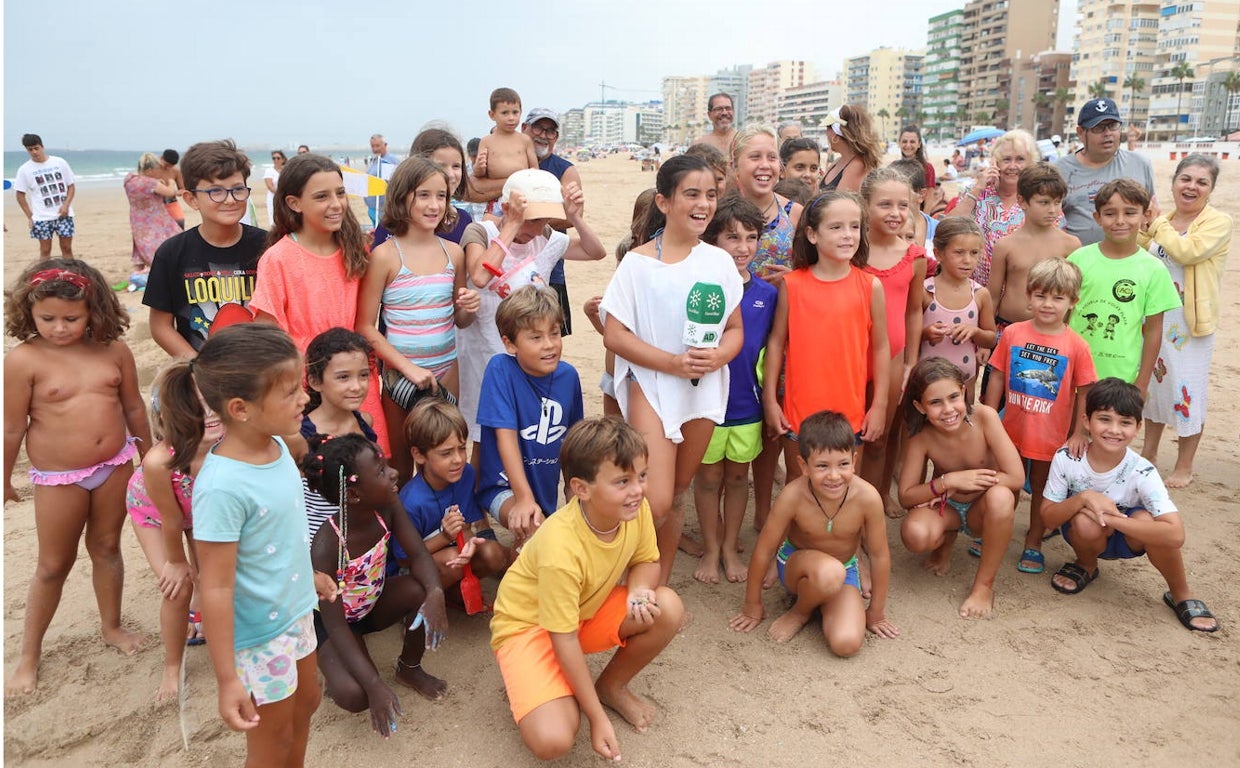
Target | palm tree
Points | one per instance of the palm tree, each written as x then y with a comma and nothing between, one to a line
982,116
1135,85
1231,84
1181,72
883,114
1099,89
1061,97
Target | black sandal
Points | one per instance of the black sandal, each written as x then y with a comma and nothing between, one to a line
1079,577
1187,610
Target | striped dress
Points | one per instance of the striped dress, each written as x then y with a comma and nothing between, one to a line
418,311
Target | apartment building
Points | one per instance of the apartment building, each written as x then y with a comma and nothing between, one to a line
1116,50
940,76
767,85
809,104
684,107
1036,81
1205,36
887,82
996,35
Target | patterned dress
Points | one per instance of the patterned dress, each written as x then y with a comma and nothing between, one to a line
148,218
1177,395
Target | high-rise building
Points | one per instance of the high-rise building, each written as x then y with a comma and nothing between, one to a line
1195,40
940,77
809,104
684,107
1035,81
996,35
619,122
767,85
887,82
1116,46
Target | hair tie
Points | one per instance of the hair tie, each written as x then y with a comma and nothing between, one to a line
59,275
318,456
352,479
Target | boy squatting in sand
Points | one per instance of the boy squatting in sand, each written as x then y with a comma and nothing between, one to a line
821,518
506,150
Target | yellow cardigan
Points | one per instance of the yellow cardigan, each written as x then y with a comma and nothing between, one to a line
1202,252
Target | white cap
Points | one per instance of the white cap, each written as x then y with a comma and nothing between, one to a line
541,190
1056,139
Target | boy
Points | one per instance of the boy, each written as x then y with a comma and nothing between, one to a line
821,519
505,150
1039,193
168,171
1124,290
738,440
440,498
49,184
1112,504
529,399
1042,365
560,600
206,273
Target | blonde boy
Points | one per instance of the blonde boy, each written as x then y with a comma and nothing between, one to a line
505,150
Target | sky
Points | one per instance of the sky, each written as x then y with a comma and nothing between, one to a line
148,74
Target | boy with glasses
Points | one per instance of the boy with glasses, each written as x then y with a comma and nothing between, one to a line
206,274
1100,160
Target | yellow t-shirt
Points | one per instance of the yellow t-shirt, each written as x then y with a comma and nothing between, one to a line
565,572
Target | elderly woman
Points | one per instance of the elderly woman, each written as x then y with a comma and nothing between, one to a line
850,134
1193,242
148,216
991,202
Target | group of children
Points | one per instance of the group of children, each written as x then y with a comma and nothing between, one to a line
711,362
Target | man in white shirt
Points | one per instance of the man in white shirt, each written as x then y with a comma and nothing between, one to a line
45,189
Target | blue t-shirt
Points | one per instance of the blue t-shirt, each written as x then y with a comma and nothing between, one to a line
540,409
556,166
260,507
426,507
757,316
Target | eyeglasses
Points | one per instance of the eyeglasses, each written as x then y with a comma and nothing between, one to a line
544,131
220,194
1108,127
719,109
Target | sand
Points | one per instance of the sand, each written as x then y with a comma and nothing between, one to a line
1102,678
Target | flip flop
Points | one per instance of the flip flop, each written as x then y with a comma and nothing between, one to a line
1187,610
1033,556
1079,577
975,547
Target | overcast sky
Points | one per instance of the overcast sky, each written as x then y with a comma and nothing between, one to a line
98,74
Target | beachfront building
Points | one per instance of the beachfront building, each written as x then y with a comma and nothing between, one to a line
1220,111
608,123
940,77
1035,82
809,104
996,35
768,84
572,128
1116,47
1195,40
684,107
887,82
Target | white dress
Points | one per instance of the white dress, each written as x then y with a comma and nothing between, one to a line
1178,387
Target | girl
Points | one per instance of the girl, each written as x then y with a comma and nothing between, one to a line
669,391
356,545
799,159
444,150
158,501
912,147
71,375
851,136
958,316
310,274
901,268
416,281
977,473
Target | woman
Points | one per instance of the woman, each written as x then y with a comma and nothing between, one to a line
1193,243
148,217
851,136
271,178
992,200
912,147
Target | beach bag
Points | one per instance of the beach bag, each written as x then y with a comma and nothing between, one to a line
406,394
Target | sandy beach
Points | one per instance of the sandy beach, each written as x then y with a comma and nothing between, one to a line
1107,677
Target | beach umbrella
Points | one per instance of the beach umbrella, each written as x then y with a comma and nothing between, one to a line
981,134
361,184
8,183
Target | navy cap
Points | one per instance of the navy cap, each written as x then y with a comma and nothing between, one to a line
1097,111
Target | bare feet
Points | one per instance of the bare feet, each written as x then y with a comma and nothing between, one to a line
979,603
940,561
787,626
413,676
1179,478
772,576
690,546
707,571
636,711
24,680
123,640
169,685
892,508
733,568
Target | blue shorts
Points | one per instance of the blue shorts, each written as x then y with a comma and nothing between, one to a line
43,230
962,509
1117,547
851,575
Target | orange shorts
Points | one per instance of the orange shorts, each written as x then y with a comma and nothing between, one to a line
174,210
532,673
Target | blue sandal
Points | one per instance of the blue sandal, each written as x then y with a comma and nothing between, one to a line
1031,556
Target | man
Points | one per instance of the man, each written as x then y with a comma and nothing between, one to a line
543,127
303,149
722,113
49,183
1100,159
788,131
381,165
168,171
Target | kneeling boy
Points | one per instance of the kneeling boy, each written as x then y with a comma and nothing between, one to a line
1112,504
821,518
560,600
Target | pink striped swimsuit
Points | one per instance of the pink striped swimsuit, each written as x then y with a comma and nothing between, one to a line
418,311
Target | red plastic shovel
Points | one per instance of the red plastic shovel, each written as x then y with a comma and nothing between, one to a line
471,588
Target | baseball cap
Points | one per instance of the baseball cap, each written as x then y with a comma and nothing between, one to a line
542,113
541,190
1056,139
1097,111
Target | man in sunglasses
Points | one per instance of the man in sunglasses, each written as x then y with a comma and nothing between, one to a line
722,113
